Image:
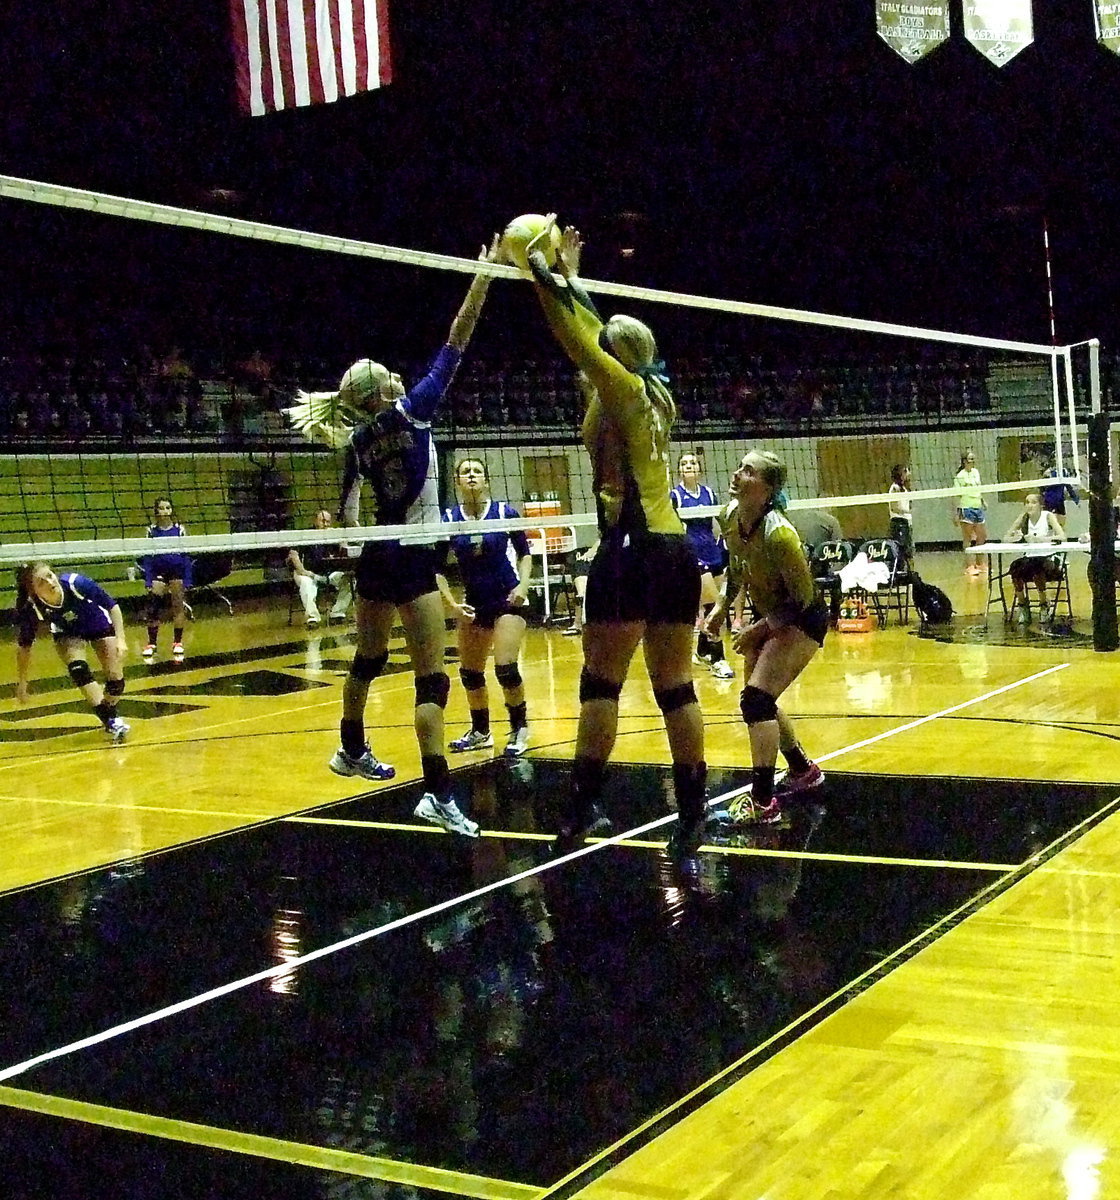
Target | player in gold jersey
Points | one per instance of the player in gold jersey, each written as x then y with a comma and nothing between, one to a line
644,585
767,556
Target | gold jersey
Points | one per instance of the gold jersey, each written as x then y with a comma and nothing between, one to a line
770,560
626,435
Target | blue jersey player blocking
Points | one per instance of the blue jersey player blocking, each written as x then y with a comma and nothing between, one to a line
390,447
495,568
711,556
78,612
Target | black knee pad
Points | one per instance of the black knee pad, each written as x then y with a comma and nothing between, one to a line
757,706
80,672
595,687
367,667
433,689
670,699
114,687
472,680
508,675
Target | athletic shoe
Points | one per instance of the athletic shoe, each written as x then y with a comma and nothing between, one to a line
117,730
1044,614
687,836
518,743
698,660
1023,615
149,650
337,618
723,669
364,765
794,784
576,826
472,740
572,631
177,651
314,622
446,815
744,811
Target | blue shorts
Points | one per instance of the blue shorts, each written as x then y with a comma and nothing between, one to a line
973,516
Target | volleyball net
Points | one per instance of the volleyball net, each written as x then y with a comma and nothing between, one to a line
152,350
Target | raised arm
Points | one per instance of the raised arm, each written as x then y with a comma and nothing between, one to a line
467,317
572,315
422,400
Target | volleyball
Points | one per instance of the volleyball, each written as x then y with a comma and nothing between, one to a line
521,231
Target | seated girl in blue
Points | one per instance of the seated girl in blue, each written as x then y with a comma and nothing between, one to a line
495,568
78,611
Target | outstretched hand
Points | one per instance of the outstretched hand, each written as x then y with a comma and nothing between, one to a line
493,253
570,252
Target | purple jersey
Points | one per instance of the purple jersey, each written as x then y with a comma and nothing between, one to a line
83,613
486,559
169,565
395,453
708,548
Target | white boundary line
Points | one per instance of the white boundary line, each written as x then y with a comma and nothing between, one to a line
288,968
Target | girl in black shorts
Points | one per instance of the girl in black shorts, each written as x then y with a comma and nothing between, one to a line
644,584
491,617
768,557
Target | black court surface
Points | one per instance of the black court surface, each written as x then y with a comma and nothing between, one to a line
482,1019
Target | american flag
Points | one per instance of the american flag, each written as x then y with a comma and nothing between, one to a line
296,52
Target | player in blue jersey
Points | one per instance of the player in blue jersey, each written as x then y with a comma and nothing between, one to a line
390,447
495,568
167,576
711,556
78,611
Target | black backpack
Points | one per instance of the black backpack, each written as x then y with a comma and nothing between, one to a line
934,607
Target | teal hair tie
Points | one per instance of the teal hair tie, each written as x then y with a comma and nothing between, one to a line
653,370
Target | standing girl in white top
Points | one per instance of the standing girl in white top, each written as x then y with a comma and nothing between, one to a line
969,510
902,519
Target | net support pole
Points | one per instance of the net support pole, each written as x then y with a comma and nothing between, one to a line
1102,536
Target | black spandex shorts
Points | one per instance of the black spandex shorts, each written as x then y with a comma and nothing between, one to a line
651,577
389,573
486,615
814,621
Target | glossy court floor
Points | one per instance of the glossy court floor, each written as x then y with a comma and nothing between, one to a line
230,973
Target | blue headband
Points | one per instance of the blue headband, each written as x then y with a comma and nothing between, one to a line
653,370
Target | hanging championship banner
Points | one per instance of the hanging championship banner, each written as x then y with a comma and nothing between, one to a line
999,29
910,29
1106,14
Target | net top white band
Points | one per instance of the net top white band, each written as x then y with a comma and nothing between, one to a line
38,192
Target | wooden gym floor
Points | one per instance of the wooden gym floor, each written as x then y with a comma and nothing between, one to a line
905,990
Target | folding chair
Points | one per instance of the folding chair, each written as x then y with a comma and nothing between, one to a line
208,570
825,563
895,593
